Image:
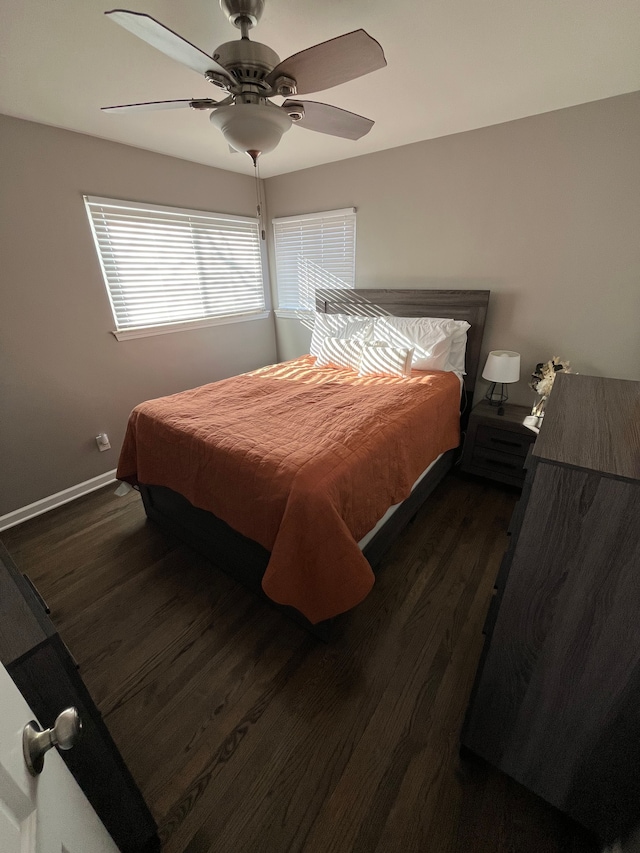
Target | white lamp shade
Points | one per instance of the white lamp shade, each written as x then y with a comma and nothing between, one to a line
502,366
251,127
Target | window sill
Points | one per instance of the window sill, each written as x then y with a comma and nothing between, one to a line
168,328
294,313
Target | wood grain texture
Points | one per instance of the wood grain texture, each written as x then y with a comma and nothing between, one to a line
565,647
557,704
469,305
19,629
513,419
246,734
594,423
496,445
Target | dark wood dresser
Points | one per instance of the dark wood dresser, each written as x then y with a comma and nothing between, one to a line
556,703
44,671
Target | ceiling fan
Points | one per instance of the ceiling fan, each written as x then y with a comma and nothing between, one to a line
252,73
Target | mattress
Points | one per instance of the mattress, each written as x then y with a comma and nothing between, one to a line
362,544
303,460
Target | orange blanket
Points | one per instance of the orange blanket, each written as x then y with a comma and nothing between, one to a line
303,460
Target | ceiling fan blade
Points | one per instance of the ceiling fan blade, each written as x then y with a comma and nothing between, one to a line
331,63
325,118
196,104
165,40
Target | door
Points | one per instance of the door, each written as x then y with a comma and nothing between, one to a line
47,813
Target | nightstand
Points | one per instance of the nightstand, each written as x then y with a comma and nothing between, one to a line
496,446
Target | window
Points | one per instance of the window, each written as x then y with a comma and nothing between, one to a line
167,268
316,250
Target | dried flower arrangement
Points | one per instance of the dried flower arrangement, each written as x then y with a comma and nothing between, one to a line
543,378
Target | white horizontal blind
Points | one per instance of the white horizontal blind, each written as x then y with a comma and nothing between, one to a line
168,265
316,250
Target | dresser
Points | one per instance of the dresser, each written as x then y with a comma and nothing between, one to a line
47,676
556,702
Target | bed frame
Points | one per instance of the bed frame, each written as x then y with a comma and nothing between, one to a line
246,560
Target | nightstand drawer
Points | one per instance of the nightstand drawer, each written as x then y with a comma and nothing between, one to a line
496,460
496,446
503,440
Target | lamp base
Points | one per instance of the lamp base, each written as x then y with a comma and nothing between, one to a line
497,397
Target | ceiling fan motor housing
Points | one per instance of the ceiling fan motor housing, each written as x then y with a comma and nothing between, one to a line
248,61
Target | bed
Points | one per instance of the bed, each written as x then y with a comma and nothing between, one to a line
300,547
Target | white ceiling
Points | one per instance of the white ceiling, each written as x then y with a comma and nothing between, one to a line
453,65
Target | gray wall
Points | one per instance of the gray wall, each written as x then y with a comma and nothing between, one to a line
63,376
543,211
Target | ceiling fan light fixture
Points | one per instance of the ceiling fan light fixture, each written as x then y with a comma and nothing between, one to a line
251,127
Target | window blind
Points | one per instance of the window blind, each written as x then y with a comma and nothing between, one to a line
316,250
169,265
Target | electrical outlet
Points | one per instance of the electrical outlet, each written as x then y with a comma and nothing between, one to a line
102,440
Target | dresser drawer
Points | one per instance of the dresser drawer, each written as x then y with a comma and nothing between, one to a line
503,440
495,460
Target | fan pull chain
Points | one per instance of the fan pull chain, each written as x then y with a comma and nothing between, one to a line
256,168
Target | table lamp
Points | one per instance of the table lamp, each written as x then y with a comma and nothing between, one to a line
502,368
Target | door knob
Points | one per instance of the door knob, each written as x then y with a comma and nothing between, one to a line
37,741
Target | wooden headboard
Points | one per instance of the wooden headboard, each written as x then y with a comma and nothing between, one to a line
469,305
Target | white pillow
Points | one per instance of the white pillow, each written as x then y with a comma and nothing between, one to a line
341,352
433,339
458,349
384,359
339,326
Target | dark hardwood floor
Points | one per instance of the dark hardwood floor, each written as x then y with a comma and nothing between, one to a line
247,735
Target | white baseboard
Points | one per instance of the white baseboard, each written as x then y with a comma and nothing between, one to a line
53,501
